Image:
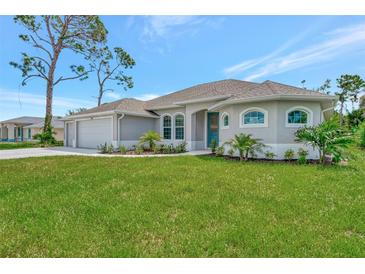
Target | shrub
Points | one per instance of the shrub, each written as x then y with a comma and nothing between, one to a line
139,149
230,152
150,137
328,137
245,145
219,151
110,149
355,118
181,148
302,153
168,149
362,136
270,155
157,149
103,148
122,149
289,154
46,137
213,145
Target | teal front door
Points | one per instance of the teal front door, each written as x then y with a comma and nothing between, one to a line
213,128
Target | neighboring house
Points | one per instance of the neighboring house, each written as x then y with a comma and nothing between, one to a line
24,128
57,125
13,130
218,110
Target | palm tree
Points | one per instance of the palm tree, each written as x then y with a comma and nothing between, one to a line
150,137
327,138
245,145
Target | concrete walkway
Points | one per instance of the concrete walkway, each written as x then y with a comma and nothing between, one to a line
64,151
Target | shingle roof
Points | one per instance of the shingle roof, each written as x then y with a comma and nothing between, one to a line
56,123
228,90
272,88
126,105
26,120
212,89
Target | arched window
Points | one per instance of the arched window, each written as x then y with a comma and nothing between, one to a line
166,127
299,116
179,127
253,117
225,120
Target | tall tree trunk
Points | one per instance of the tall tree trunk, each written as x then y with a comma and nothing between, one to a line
49,96
241,155
100,96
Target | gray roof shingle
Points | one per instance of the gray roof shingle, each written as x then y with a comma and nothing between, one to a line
228,90
26,120
213,89
127,105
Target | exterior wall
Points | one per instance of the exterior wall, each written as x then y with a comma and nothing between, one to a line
276,135
70,133
131,128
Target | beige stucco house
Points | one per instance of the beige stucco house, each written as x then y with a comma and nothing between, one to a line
24,128
218,110
57,125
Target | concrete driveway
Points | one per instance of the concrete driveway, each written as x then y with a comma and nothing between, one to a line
50,151
64,151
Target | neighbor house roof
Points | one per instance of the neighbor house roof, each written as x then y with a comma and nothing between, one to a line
218,89
127,105
25,120
56,123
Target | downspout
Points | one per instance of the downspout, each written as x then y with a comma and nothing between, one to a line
118,125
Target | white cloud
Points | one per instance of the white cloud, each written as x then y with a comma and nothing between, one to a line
160,26
336,42
113,95
147,96
21,98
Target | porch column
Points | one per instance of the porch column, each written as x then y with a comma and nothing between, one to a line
188,130
11,136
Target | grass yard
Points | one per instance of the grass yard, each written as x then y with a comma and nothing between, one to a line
180,207
10,145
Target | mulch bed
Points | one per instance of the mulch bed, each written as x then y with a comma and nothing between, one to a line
262,160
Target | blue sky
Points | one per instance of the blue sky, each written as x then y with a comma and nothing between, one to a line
175,52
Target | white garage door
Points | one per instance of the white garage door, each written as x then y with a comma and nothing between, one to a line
92,133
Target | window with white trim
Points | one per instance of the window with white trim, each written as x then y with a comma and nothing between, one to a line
179,127
166,127
225,120
297,117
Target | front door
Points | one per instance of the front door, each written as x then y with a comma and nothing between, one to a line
213,128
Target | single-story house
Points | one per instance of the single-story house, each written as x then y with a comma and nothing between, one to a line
57,125
12,130
24,128
217,110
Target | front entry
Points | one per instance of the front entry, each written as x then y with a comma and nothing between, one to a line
213,128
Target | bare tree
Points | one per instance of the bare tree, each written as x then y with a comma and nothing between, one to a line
51,35
109,67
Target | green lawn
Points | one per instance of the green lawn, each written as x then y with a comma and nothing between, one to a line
9,145
180,207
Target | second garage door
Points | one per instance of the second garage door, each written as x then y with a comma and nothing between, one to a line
91,133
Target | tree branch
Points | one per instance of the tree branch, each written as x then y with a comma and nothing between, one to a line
24,82
37,45
70,78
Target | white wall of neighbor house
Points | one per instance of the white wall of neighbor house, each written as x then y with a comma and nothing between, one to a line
276,134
